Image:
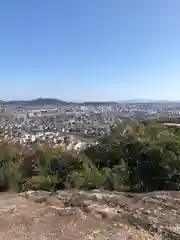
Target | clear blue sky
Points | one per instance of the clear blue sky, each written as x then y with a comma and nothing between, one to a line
90,49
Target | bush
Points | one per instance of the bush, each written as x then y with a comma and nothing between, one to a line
143,157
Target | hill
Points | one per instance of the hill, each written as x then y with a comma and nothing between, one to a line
50,101
95,215
38,101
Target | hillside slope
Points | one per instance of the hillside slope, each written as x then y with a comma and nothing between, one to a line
79,215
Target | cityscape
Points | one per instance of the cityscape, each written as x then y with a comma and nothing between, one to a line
74,125
90,120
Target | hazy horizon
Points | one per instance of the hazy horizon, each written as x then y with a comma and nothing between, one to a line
79,101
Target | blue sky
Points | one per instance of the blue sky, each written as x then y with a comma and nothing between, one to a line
90,49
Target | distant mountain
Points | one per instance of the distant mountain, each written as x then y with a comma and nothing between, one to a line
35,102
51,101
149,101
57,102
99,103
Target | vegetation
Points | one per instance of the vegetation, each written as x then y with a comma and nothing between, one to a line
136,157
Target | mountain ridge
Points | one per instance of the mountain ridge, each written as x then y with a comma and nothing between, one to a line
51,101
55,101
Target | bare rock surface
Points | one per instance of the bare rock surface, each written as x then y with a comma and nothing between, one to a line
88,215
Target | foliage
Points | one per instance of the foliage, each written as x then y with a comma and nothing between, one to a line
135,157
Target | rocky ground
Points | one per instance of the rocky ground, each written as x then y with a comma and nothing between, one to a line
80,215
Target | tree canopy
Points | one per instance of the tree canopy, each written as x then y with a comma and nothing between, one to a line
135,157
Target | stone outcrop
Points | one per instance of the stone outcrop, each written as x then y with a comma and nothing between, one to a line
89,215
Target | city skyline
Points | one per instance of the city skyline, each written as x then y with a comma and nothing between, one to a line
90,50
